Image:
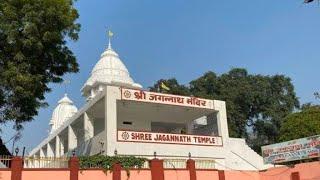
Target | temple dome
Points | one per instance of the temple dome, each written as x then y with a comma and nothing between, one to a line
109,70
64,110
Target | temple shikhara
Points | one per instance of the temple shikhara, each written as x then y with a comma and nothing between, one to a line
120,117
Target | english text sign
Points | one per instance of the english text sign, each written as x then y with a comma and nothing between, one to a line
168,138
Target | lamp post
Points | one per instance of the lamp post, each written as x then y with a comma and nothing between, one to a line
16,151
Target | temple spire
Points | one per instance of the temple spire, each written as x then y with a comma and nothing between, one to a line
110,34
65,83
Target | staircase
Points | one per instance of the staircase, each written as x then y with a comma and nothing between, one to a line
241,151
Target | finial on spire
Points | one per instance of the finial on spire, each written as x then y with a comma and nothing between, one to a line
65,83
110,34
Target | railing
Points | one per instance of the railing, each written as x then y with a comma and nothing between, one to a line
205,164
45,162
5,161
63,162
146,165
181,164
93,166
174,163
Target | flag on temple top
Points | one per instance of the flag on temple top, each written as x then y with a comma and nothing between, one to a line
163,86
110,33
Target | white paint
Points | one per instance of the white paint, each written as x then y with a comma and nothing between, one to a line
64,110
42,154
109,70
50,152
100,118
88,127
72,138
58,147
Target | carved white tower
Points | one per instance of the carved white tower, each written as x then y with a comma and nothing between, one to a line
64,110
109,70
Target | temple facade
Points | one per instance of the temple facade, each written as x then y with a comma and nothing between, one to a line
120,117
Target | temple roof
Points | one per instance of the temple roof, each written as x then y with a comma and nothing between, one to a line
109,70
64,110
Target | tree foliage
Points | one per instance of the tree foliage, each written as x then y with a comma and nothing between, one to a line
301,124
33,53
256,104
106,162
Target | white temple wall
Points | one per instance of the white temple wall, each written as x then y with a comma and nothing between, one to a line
112,94
88,127
234,154
50,152
57,147
72,138
138,123
129,148
43,152
98,125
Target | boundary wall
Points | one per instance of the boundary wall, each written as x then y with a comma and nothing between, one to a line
303,171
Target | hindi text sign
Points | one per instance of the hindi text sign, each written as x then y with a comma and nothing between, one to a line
145,96
304,148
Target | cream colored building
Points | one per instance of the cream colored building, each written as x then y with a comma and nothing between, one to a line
121,117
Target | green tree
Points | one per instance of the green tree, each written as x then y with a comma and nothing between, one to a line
256,104
301,124
33,53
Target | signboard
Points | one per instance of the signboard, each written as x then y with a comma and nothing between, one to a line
152,97
298,149
168,138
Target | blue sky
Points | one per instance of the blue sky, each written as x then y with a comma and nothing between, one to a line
184,39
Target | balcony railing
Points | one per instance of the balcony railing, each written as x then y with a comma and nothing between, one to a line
174,163
63,162
45,162
205,164
5,161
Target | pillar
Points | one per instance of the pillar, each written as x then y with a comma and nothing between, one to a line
37,160
295,176
42,153
57,147
157,171
88,127
116,171
16,168
191,166
72,139
34,161
190,127
62,146
74,168
110,121
50,152
221,175
222,119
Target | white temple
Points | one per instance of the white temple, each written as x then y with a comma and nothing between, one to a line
64,110
108,71
120,116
